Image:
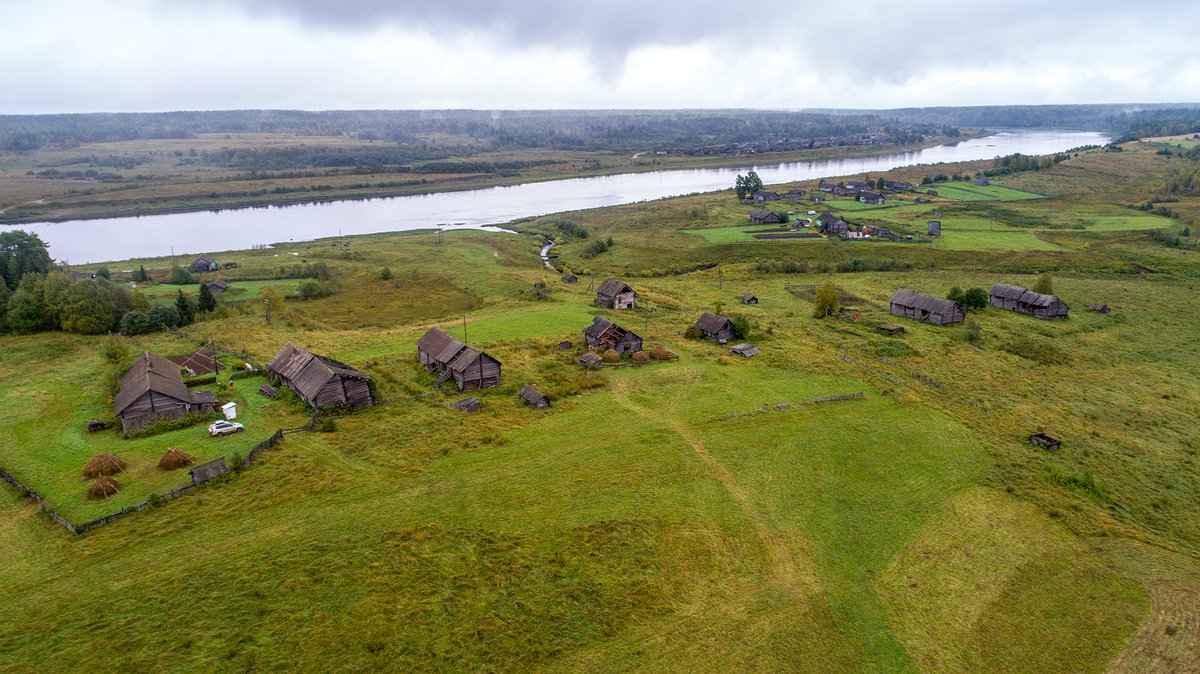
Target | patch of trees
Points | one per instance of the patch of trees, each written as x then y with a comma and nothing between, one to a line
747,185
1114,118
22,253
570,228
597,247
1152,123
973,298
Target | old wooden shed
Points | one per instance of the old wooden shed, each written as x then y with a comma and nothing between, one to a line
744,350
469,367
533,397
1016,298
603,335
760,216
715,327
613,294
749,299
320,381
936,310
204,263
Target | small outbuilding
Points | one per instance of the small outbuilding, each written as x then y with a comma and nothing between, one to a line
208,470
217,285
613,294
936,310
714,327
570,278
603,335
935,227
1016,298
744,350
869,197
1099,308
590,361
892,329
318,380
468,405
1045,442
533,397
749,299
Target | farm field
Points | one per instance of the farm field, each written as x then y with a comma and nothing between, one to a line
698,514
969,191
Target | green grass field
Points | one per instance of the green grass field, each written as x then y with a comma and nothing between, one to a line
238,291
699,514
969,191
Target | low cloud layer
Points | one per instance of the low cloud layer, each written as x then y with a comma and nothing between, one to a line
65,55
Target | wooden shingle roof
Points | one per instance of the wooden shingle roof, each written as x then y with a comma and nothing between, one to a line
532,395
151,372
308,372
916,300
712,323
613,287
1022,295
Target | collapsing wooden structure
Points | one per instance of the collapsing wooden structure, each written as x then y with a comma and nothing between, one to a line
936,310
201,362
744,350
714,327
320,381
603,335
469,367
1045,442
613,294
153,390
1016,298
533,397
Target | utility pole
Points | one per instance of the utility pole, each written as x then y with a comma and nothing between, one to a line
268,309
720,277
464,328
439,236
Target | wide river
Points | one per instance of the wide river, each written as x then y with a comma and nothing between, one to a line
83,241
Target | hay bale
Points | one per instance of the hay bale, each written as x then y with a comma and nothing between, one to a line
660,353
641,358
103,487
611,356
174,459
106,463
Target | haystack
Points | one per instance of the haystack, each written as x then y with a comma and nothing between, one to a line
104,464
103,487
660,353
173,459
641,358
611,356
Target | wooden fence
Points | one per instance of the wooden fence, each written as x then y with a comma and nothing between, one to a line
79,529
842,396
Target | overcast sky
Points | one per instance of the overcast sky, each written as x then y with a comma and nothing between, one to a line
129,55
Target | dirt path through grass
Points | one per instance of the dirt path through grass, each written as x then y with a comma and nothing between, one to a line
784,567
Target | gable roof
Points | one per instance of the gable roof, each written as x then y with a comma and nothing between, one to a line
531,394
613,288
465,358
206,258
759,213
1022,295
937,305
307,371
710,322
151,372
746,350
201,362
439,345
220,285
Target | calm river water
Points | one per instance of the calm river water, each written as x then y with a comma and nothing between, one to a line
83,241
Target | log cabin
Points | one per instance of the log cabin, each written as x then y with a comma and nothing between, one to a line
928,308
153,389
1016,298
603,335
613,294
320,381
714,327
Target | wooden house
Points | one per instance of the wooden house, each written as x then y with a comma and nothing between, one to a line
744,350
714,327
826,186
859,185
204,263
766,195
869,197
760,216
794,195
603,335
320,381
217,285
1016,298
935,227
749,299
832,224
533,397
153,390
936,310
469,367
613,294
897,186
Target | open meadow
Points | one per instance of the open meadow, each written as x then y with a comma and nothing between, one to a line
695,514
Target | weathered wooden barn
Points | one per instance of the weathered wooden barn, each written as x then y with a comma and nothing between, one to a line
1016,298
761,216
153,390
936,310
832,224
603,335
714,327
204,263
217,285
320,381
613,294
469,367
533,397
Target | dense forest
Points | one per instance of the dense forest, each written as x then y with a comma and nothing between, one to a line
1113,118
563,130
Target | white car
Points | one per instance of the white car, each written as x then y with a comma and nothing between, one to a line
224,428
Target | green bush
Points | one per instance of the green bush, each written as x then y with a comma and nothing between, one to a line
166,425
324,424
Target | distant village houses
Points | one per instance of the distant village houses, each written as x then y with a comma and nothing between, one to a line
204,263
868,197
766,195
